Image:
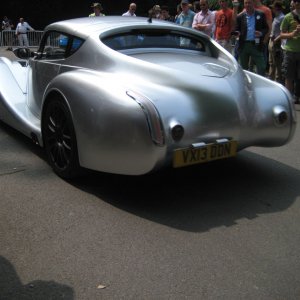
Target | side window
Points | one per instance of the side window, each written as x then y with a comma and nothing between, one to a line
76,43
55,45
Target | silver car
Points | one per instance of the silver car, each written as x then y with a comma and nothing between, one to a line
133,95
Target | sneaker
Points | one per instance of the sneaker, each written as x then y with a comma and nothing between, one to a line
9,49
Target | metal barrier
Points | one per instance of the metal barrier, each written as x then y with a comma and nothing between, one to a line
9,38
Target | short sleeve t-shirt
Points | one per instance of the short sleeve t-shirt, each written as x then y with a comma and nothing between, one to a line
223,24
186,20
289,24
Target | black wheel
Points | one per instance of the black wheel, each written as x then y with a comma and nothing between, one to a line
60,139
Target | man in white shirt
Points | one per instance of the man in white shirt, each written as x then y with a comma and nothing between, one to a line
205,19
131,11
21,32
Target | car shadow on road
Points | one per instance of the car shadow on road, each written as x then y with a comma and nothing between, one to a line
196,198
203,197
11,287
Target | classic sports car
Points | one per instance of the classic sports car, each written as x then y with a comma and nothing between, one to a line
132,95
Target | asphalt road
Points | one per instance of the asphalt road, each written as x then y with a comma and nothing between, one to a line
224,230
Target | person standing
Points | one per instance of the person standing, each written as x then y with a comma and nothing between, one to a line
225,24
97,7
186,16
178,12
252,27
21,32
156,11
268,14
196,6
292,5
290,30
275,50
131,11
7,27
7,24
165,14
204,20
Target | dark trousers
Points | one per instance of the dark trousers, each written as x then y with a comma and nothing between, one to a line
250,50
275,61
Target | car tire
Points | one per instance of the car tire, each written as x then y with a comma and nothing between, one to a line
60,139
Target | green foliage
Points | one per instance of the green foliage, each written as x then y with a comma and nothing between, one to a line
214,4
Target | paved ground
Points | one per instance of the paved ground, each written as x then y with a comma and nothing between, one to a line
227,230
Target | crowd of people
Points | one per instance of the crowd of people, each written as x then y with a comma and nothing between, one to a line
266,40
263,39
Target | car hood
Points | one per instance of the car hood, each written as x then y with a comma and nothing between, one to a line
194,64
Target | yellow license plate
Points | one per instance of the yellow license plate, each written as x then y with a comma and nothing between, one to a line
190,156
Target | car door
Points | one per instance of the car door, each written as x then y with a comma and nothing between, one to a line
45,66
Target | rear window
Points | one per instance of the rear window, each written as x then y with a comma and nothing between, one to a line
156,39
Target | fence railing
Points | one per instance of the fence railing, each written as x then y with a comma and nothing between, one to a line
9,38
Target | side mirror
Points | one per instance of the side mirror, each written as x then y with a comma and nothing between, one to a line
23,53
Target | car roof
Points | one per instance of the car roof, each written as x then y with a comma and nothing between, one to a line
84,27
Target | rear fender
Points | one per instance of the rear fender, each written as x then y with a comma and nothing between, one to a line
110,125
274,117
